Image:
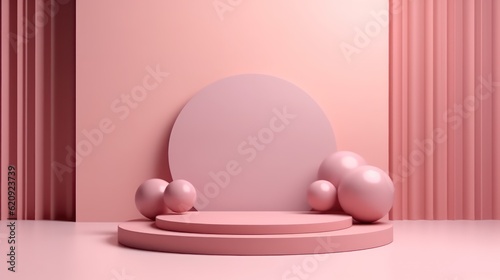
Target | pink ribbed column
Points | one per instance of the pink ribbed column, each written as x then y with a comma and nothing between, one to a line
452,98
406,169
496,105
416,101
444,111
20,120
396,108
468,76
29,83
428,107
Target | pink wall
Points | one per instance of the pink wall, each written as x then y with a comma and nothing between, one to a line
321,46
444,124
443,75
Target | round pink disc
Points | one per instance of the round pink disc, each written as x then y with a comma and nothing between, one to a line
144,235
250,142
252,222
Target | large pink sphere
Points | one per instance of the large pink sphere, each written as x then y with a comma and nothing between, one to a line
321,195
180,196
339,164
366,193
149,198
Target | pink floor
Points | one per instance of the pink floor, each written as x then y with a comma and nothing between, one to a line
445,250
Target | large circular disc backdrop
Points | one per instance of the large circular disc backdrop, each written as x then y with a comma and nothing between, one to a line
250,142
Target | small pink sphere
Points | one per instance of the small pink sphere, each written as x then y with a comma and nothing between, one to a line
366,193
322,195
339,164
180,196
149,198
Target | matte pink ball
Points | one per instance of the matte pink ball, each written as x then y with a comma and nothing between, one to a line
149,198
339,164
366,193
321,195
180,196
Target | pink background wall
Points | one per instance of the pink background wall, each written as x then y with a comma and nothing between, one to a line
444,84
444,70
300,41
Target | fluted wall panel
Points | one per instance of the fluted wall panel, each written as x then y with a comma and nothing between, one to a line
37,108
444,120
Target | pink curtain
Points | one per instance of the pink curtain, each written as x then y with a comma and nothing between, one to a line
37,108
445,109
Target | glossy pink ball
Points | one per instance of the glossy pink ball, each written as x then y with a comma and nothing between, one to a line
339,164
321,195
149,198
366,193
179,196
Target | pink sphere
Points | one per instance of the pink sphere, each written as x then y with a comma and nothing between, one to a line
366,193
149,198
321,195
180,196
339,164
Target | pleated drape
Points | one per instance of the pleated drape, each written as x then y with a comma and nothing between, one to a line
37,108
445,109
